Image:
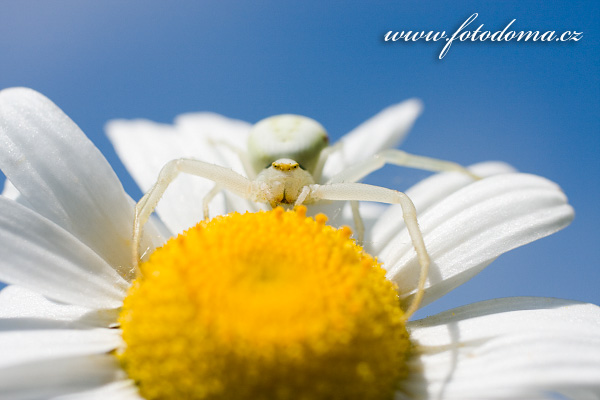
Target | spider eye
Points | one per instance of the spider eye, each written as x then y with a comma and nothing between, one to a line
276,165
285,164
286,136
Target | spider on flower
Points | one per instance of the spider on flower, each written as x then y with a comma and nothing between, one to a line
285,158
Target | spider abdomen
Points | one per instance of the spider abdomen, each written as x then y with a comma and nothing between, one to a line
286,136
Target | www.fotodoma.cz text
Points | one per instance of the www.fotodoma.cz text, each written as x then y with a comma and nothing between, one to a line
481,35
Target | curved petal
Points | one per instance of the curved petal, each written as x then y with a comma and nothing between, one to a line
472,227
26,347
120,390
383,131
11,192
22,309
424,195
145,147
62,175
39,255
506,348
52,378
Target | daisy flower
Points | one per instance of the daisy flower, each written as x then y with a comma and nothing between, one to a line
269,304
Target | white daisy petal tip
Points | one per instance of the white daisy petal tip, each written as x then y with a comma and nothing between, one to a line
405,111
412,107
468,229
385,130
490,168
210,123
16,95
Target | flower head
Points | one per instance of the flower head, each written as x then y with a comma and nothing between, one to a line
66,243
270,305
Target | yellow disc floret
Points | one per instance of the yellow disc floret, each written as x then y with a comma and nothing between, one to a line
269,305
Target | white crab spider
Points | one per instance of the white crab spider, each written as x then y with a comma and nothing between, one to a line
285,159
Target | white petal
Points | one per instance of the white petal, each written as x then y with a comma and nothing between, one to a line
51,378
120,390
506,348
383,131
224,134
22,309
424,195
32,346
473,226
62,175
11,192
154,230
40,255
217,129
145,147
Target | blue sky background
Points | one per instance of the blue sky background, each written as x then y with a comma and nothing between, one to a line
534,105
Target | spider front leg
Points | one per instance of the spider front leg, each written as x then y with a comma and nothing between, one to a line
400,158
394,157
359,226
224,178
363,192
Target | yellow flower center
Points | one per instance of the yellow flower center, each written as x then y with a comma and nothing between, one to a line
269,305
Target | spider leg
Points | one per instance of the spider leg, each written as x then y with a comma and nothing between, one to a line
323,156
224,178
318,171
358,222
363,192
400,158
395,157
208,198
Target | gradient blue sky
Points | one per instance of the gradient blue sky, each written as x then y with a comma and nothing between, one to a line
534,105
